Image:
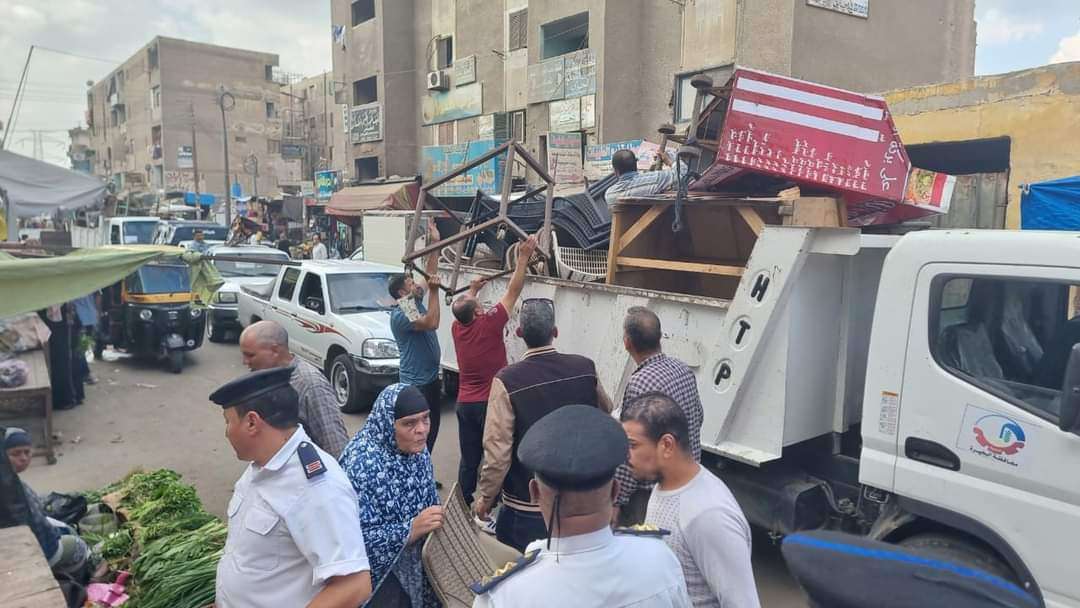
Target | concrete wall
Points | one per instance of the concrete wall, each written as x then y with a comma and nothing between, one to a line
482,30
1036,109
901,44
708,33
764,34
398,88
190,74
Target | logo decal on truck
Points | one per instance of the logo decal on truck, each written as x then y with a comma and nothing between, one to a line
991,435
316,328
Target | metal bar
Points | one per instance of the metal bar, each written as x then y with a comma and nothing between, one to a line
453,214
529,160
530,194
464,234
459,252
414,226
521,234
466,167
501,273
545,235
250,258
508,180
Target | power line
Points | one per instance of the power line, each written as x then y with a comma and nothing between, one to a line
70,54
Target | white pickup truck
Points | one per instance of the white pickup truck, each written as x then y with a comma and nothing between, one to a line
917,389
337,313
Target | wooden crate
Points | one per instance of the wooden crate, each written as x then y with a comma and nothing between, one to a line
708,257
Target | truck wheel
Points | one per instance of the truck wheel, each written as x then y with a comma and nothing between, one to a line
213,333
350,398
450,384
176,361
959,549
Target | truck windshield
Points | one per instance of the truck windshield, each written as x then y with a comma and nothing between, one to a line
359,292
139,233
210,233
159,279
249,269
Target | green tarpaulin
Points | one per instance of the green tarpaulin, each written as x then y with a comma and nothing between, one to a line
35,283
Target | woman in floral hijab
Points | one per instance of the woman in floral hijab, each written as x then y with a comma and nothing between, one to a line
390,469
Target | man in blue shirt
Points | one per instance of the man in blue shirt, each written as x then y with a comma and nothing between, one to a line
414,326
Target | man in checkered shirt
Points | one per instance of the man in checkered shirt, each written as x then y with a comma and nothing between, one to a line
656,372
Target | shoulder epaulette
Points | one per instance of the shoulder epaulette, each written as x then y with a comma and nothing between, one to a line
511,568
643,530
310,460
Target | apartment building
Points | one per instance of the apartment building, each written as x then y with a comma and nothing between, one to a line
157,115
314,135
418,73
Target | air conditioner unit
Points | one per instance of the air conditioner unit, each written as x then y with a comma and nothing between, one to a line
438,81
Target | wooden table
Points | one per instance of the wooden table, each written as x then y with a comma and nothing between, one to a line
25,578
38,392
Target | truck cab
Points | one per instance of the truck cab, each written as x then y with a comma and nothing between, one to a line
962,420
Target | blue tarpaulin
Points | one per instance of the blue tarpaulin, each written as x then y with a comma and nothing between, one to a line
1053,205
205,200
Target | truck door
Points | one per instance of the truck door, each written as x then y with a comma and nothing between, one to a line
977,427
281,300
310,319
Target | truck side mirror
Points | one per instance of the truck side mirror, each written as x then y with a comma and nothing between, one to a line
1069,418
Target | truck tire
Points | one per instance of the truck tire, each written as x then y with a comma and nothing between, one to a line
350,398
213,333
176,361
960,549
450,384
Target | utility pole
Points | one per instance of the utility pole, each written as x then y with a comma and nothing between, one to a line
226,98
10,127
325,120
195,164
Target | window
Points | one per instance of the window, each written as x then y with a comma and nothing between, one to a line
152,57
331,151
288,284
517,125
359,292
1010,337
269,73
362,10
367,168
312,290
444,52
518,30
114,235
564,36
365,90
685,93
155,97
270,111
241,139
273,146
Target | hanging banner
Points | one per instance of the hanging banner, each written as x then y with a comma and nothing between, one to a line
464,71
564,158
564,115
436,161
579,73
588,112
325,183
366,123
455,104
184,157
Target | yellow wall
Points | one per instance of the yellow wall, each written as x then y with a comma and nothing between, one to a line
1039,110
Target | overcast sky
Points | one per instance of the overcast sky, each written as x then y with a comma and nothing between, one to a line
1013,34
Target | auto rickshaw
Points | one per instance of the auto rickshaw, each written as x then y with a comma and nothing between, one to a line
153,312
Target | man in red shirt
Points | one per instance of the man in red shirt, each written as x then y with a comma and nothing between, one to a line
481,353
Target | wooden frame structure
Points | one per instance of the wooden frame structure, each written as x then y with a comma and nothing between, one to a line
710,256
501,221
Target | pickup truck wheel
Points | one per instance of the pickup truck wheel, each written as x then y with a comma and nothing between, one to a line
342,379
958,549
213,333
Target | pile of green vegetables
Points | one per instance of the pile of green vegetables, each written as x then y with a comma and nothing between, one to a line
168,542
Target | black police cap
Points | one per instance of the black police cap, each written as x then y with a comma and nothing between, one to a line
845,571
576,447
253,385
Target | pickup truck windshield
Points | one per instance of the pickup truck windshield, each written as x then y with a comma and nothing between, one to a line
210,233
140,233
359,292
249,269
159,279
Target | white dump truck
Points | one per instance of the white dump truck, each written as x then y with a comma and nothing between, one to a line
915,388
119,230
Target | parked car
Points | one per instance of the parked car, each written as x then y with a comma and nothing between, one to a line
179,233
222,314
337,314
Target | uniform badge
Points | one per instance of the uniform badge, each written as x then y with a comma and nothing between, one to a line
309,458
643,530
490,582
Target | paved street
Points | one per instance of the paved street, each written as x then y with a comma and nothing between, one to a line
140,415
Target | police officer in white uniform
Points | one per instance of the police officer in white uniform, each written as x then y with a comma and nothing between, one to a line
573,453
294,522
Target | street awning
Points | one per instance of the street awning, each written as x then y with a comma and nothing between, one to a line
356,200
36,187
